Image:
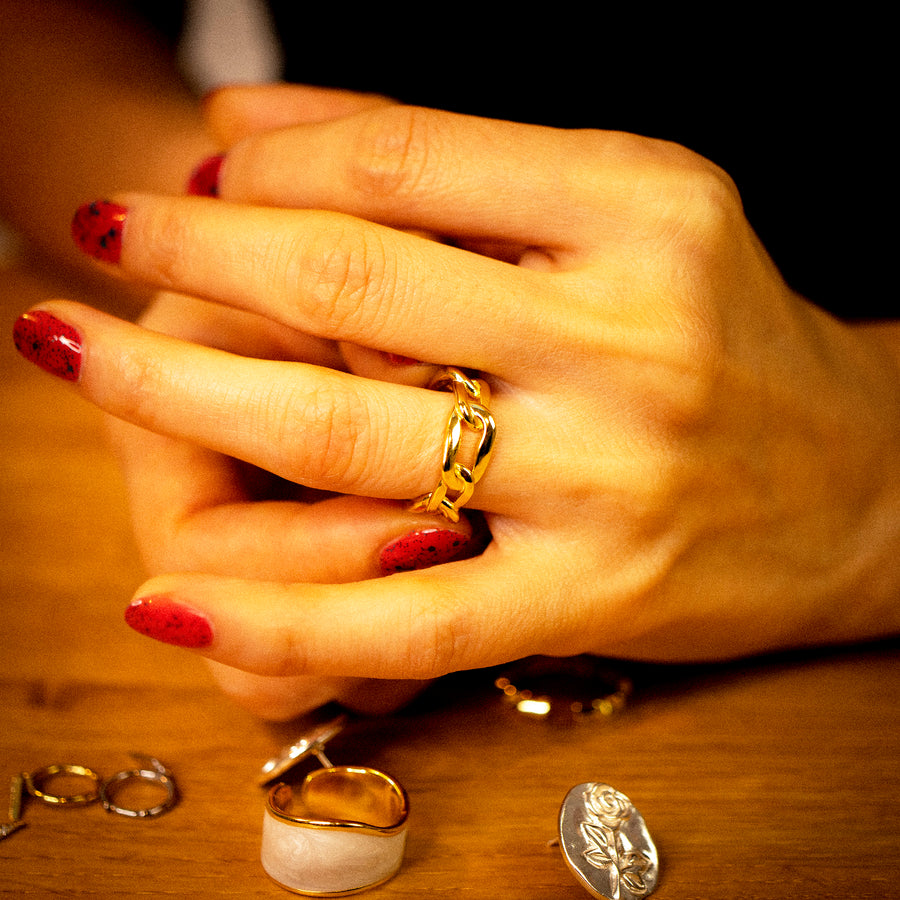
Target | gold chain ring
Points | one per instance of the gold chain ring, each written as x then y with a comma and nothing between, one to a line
457,484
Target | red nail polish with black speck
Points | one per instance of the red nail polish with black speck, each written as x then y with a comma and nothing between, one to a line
204,180
422,549
97,229
165,620
49,343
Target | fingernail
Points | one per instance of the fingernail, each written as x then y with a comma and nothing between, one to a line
422,549
49,343
395,359
204,180
165,620
97,229
207,97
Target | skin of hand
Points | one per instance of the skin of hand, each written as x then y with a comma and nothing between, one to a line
692,461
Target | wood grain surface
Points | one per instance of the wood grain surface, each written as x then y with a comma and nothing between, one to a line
775,778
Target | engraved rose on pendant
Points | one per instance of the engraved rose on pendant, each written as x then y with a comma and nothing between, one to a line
606,844
608,805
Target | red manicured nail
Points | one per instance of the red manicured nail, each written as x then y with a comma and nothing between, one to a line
170,622
395,359
97,229
49,343
422,549
204,181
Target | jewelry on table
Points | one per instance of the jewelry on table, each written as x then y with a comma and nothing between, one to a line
155,773
16,791
38,784
457,484
606,844
343,831
311,743
577,687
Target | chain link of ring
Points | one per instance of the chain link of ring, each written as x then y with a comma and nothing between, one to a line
471,396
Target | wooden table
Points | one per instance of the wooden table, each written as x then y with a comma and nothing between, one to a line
766,779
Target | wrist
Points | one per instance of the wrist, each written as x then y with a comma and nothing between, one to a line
874,607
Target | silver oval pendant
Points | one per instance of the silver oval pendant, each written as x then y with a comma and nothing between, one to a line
606,844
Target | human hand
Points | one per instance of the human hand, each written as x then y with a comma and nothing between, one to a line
692,461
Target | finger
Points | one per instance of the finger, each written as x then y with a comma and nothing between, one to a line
416,625
335,277
236,112
185,521
197,510
415,168
320,428
248,334
193,512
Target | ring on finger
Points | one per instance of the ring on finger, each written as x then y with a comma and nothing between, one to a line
457,484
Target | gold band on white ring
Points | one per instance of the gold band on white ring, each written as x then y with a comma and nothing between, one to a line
457,484
344,831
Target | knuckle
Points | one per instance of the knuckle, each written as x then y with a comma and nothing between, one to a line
289,656
699,212
140,380
704,242
166,232
709,207
680,196
342,272
326,440
439,636
692,237
393,151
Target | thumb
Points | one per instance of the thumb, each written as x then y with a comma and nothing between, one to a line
414,625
